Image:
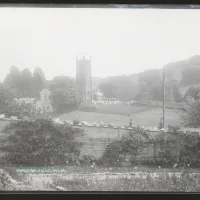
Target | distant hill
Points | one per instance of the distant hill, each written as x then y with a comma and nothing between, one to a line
95,83
179,75
147,85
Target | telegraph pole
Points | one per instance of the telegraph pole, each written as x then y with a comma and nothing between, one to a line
91,92
163,98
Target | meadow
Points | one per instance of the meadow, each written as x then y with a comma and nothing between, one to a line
146,116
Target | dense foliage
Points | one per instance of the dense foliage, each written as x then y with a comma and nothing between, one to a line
193,92
121,87
145,85
8,105
61,82
191,117
65,99
129,144
40,142
24,83
167,149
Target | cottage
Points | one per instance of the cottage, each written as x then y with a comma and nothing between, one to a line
44,104
27,106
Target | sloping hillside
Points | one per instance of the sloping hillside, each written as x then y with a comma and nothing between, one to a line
182,74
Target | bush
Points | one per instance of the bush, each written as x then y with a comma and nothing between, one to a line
128,145
88,160
177,147
41,142
171,148
76,122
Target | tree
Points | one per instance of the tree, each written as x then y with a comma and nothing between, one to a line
5,97
178,97
20,83
65,99
191,117
8,106
40,142
193,92
108,90
39,81
26,83
150,85
61,82
121,87
13,81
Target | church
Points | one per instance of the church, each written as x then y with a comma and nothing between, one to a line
84,81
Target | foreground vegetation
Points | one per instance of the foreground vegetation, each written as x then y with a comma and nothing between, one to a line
172,148
163,183
39,142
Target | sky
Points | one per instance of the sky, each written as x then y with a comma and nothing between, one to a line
119,41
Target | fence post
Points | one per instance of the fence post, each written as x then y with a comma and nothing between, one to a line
118,132
161,150
198,148
154,147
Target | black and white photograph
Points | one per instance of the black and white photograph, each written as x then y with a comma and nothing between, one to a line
99,99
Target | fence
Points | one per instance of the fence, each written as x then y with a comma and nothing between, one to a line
172,105
163,149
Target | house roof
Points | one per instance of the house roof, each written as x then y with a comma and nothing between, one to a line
25,100
99,94
45,92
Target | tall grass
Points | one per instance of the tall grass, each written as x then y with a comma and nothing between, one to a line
164,183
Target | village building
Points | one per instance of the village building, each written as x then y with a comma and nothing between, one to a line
44,105
27,106
31,107
84,79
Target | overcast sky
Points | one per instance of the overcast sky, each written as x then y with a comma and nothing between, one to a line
120,41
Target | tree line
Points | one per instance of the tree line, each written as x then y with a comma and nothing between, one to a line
147,85
25,84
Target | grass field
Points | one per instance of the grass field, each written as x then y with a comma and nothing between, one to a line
142,117
121,109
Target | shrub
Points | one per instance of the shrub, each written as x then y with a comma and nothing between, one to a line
76,122
174,147
88,160
177,147
128,145
40,142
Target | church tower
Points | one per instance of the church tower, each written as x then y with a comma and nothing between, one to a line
84,79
